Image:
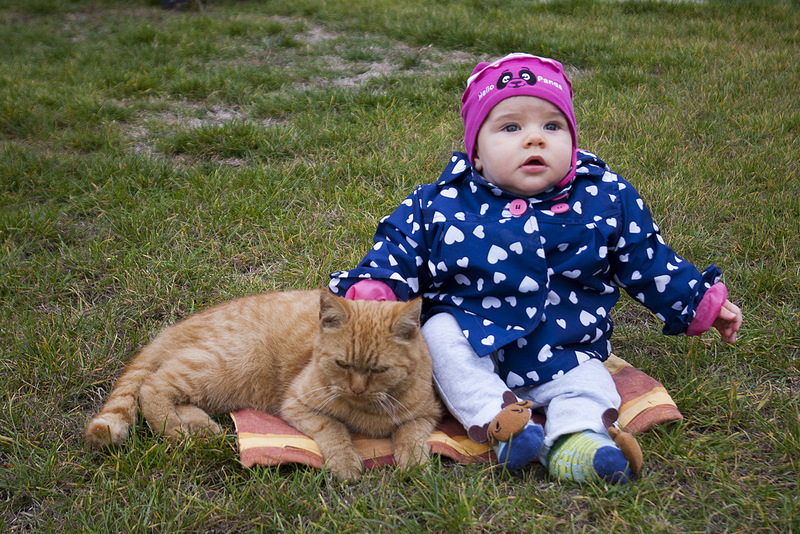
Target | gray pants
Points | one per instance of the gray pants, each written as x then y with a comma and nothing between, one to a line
473,392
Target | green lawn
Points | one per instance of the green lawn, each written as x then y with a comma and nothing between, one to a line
155,162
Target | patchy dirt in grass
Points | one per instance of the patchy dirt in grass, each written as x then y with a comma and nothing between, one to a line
336,55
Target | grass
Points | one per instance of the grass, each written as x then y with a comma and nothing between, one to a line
156,162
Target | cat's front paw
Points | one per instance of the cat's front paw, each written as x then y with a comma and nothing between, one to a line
346,465
410,441
410,455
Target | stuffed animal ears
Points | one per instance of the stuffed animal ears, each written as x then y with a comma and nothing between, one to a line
478,433
513,417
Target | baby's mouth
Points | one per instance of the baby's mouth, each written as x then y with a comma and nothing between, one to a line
535,161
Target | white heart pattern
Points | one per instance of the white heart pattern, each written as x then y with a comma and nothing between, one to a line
661,282
531,226
450,192
513,380
496,254
463,262
490,302
460,166
582,356
545,354
528,285
587,318
453,235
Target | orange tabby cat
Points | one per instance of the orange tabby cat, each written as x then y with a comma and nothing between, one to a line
326,365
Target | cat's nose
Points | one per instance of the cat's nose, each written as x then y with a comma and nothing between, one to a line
358,384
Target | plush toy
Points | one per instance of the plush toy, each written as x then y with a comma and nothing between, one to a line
625,441
512,423
506,424
629,447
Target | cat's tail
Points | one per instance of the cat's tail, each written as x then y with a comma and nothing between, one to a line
110,425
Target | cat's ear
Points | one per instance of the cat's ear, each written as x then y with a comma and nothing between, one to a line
406,326
332,313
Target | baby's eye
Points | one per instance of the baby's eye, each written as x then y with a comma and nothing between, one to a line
510,128
552,126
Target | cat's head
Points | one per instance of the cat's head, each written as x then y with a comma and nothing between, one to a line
369,348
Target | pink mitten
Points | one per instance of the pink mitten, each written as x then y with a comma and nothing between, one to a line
370,290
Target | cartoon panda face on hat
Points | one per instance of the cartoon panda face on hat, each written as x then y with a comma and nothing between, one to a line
524,76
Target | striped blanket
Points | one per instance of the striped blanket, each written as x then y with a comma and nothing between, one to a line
265,439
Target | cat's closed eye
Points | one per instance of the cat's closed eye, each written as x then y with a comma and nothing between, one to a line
373,370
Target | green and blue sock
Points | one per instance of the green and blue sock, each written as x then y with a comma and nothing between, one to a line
588,456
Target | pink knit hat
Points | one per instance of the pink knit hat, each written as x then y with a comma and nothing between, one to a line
516,75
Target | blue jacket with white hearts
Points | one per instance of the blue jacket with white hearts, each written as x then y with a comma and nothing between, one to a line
531,280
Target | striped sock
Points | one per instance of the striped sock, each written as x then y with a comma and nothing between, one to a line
588,456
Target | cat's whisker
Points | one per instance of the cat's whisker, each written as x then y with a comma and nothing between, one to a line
324,389
300,397
398,404
389,407
332,396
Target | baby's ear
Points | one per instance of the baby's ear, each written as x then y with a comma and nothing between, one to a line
332,311
406,326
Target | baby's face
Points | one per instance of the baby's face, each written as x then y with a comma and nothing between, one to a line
524,146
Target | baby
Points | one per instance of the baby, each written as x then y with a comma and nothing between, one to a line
519,250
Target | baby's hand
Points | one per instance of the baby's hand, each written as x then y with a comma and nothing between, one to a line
729,321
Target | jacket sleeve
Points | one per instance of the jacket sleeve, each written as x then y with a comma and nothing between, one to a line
399,256
651,272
